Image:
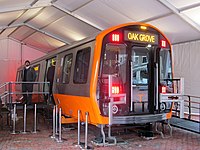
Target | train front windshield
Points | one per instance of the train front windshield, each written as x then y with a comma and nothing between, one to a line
134,69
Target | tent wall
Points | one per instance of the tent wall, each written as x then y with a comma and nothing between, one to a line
12,55
187,64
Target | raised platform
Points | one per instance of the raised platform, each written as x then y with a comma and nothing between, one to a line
193,126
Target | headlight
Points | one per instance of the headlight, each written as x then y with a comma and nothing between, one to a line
162,106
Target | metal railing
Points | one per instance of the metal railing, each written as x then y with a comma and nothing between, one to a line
174,91
177,84
11,94
193,110
8,90
4,91
186,103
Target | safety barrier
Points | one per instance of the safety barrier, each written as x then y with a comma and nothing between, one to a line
80,144
14,119
57,123
25,120
54,123
13,90
57,120
188,104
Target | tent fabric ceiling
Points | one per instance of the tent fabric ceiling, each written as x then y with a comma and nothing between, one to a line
49,24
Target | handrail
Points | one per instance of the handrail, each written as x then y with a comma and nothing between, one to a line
21,82
8,89
174,79
193,106
188,104
2,96
4,84
5,89
191,102
8,86
4,93
192,96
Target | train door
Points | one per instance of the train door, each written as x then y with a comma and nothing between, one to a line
165,81
49,75
141,74
133,73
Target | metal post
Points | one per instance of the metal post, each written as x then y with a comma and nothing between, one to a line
38,91
6,96
109,85
131,86
86,130
189,116
24,131
79,131
56,120
109,131
104,136
110,113
181,108
111,137
10,92
60,127
182,86
177,86
54,131
35,119
156,90
10,98
14,120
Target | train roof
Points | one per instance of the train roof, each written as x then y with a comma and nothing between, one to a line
64,48
91,38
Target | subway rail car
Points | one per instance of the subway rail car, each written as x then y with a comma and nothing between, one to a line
120,71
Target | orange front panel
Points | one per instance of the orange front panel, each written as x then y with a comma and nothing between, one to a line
71,104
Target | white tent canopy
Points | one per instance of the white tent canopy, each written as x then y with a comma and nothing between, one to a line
49,24
46,25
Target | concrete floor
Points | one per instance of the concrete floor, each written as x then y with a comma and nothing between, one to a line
181,140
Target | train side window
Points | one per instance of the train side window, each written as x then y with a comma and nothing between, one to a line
165,64
82,66
37,70
67,68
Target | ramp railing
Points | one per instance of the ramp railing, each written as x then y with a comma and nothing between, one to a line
185,106
192,107
174,93
11,94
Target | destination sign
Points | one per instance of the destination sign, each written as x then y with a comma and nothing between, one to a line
140,37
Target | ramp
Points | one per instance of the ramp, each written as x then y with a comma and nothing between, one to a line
190,125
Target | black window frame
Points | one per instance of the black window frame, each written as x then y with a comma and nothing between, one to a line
80,64
63,73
